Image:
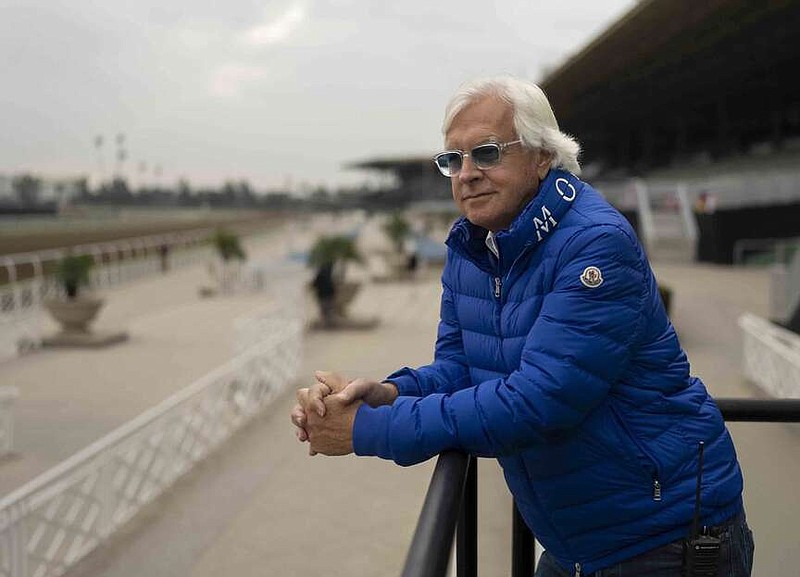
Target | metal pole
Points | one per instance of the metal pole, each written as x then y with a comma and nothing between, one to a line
467,532
760,410
522,554
430,548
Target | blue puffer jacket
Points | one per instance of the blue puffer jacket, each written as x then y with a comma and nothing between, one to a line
560,361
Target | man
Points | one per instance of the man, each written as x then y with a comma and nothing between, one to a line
555,355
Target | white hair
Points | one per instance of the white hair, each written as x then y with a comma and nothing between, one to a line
534,120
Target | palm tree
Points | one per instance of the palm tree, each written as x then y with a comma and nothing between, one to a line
328,256
72,272
398,230
228,245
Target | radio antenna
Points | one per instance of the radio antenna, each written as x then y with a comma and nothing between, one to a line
696,519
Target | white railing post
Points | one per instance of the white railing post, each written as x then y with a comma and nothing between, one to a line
14,542
11,267
644,211
105,500
8,395
687,212
101,271
38,281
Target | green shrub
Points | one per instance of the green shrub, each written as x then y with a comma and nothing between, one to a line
228,245
72,272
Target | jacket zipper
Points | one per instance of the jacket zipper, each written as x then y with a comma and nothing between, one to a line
498,284
577,570
656,487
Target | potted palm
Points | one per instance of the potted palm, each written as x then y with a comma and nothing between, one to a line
75,311
228,245
232,254
398,230
329,257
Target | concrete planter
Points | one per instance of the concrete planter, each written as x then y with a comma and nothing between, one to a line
75,315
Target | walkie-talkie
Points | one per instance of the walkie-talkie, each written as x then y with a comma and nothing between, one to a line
702,552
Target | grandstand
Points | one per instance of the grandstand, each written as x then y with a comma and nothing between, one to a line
689,118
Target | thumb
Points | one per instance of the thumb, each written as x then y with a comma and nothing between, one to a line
354,390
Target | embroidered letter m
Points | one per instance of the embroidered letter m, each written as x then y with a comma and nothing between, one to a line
544,223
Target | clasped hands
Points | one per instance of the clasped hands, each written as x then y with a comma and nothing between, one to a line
325,411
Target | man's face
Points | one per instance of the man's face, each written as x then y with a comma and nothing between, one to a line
493,198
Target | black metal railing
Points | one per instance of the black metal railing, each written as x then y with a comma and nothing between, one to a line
451,504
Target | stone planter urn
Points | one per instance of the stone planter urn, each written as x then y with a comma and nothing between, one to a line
75,317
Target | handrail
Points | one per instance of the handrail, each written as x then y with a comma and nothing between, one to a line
429,552
433,537
760,410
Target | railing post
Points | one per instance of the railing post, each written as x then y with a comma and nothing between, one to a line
467,533
522,554
432,542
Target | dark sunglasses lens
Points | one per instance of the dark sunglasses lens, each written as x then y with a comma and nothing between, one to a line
449,163
485,155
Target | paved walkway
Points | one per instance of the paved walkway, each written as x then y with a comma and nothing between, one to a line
175,338
262,507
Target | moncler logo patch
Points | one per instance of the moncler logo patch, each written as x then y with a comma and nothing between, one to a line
568,196
592,277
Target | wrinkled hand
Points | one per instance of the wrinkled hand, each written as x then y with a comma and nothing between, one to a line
311,399
332,434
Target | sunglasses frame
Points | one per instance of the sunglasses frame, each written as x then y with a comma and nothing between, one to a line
500,146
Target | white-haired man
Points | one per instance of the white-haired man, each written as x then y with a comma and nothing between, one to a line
555,355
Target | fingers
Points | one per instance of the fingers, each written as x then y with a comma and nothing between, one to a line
298,417
311,399
316,393
335,381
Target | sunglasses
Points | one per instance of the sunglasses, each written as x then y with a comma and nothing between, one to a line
484,157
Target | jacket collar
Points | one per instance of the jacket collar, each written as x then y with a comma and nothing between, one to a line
557,193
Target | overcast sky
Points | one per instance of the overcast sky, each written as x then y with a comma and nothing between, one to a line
275,92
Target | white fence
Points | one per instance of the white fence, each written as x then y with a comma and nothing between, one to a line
115,263
7,397
58,518
771,356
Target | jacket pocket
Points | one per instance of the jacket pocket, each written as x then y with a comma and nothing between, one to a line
636,452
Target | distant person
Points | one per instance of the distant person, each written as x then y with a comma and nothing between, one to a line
706,203
555,355
412,264
163,253
324,289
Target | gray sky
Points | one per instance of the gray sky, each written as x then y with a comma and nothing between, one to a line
275,92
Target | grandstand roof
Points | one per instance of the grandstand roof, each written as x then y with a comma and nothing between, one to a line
675,76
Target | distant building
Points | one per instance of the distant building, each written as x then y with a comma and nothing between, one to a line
417,180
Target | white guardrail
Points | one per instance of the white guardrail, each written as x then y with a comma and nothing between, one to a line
771,356
116,263
55,520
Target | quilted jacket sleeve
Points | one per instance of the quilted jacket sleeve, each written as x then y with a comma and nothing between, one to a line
448,372
578,346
